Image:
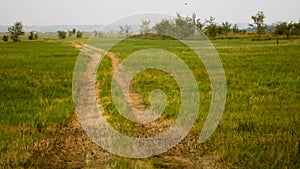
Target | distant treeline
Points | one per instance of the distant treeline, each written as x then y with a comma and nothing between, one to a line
184,27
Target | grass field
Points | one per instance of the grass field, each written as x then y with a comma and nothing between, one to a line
35,87
260,127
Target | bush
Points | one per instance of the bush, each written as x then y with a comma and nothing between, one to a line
62,34
5,38
33,36
79,34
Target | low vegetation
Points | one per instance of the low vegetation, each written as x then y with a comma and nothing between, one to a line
184,27
259,127
35,87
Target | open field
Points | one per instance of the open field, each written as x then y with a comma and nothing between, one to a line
35,94
260,127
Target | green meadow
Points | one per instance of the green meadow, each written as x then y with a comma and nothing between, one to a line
36,90
260,126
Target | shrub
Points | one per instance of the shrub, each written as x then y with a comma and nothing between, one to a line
5,38
79,34
33,36
62,34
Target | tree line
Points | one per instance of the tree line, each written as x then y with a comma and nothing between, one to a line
183,27
16,30
71,33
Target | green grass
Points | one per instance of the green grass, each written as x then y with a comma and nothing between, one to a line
35,87
260,127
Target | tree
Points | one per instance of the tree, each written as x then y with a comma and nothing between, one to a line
259,24
200,25
289,28
98,34
145,27
62,34
211,29
33,35
283,28
5,38
79,34
165,27
184,27
125,30
297,28
235,29
280,28
72,32
226,28
15,31
192,19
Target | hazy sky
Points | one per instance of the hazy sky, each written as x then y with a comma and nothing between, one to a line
48,12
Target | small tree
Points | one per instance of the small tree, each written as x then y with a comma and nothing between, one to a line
235,29
15,31
184,27
125,30
5,38
200,25
95,33
145,27
283,28
72,32
62,34
165,27
226,28
290,26
259,24
79,34
211,29
33,35
297,28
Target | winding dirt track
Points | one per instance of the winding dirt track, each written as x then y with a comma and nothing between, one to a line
71,148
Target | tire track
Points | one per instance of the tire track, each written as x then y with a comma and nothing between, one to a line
176,154
70,147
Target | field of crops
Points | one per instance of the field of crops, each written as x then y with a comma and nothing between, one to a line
260,127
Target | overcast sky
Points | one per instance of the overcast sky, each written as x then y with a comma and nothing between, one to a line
68,12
